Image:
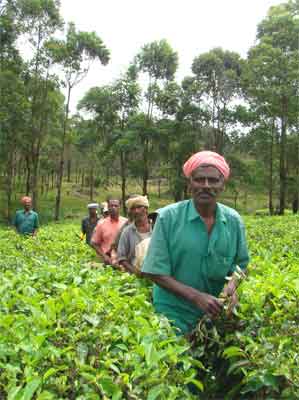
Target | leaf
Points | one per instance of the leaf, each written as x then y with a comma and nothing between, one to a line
49,373
197,383
238,365
31,388
233,351
155,392
108,386
12,394
151,355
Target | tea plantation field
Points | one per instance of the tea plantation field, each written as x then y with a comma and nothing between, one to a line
70,329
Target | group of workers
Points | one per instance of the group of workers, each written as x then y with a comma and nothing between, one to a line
187,249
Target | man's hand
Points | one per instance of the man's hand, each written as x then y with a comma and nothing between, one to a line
107,259
230,291
209,304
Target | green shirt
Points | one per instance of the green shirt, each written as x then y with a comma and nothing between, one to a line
26,222
181,247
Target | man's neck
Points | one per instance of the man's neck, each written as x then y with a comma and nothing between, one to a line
114,218
143,224
206,211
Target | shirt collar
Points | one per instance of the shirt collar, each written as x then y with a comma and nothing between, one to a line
134,227
193,213
27,212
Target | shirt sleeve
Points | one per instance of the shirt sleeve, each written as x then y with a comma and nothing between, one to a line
36,222
242,256
123,247
157,260
97,235
15,220
83,229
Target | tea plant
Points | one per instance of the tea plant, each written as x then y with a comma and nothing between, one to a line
71,331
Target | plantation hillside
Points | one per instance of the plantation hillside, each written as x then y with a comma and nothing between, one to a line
71,329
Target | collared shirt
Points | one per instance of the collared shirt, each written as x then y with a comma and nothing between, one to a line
182,248
129,239
87,227
106,231
26,222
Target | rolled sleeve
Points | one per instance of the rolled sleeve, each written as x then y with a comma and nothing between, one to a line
36,222
242,256
157,260
123,247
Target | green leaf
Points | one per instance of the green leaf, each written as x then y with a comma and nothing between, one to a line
197,383
233,351
237,365
154,392
31,388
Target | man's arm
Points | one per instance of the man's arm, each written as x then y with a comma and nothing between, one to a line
157,267
207,303
123,250
127,266
241,260
36,226
95,242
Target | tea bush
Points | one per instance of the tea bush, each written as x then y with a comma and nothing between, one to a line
70,329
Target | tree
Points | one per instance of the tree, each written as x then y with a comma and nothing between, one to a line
74,55
158,61
218,75
272,78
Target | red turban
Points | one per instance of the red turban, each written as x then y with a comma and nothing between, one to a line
206,158
24,199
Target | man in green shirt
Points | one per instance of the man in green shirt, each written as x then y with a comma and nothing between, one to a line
26,220
195,244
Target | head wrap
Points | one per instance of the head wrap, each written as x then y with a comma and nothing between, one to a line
104,206
137,201
92,205
206,158
25,199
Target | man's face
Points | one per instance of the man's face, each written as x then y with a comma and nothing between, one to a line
138,213
206,184
92,212
113,208
27,205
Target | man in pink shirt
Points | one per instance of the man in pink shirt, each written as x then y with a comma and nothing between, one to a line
106,231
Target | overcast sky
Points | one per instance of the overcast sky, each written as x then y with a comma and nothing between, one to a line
191,27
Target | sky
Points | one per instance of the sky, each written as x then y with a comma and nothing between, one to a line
191,27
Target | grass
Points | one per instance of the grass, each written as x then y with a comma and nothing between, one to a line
74,200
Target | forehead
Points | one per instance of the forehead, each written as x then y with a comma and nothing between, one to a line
113,202
206,170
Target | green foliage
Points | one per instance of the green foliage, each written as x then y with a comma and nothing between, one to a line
253,354
69,330
158,60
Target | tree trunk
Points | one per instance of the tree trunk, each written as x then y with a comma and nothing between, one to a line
282,162
145,175
271,208
123,174
52,179
9,186
35,181
47,184
61,163
69,165
159,188
296,196
82,180
91,184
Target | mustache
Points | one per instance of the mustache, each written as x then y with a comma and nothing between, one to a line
211,193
